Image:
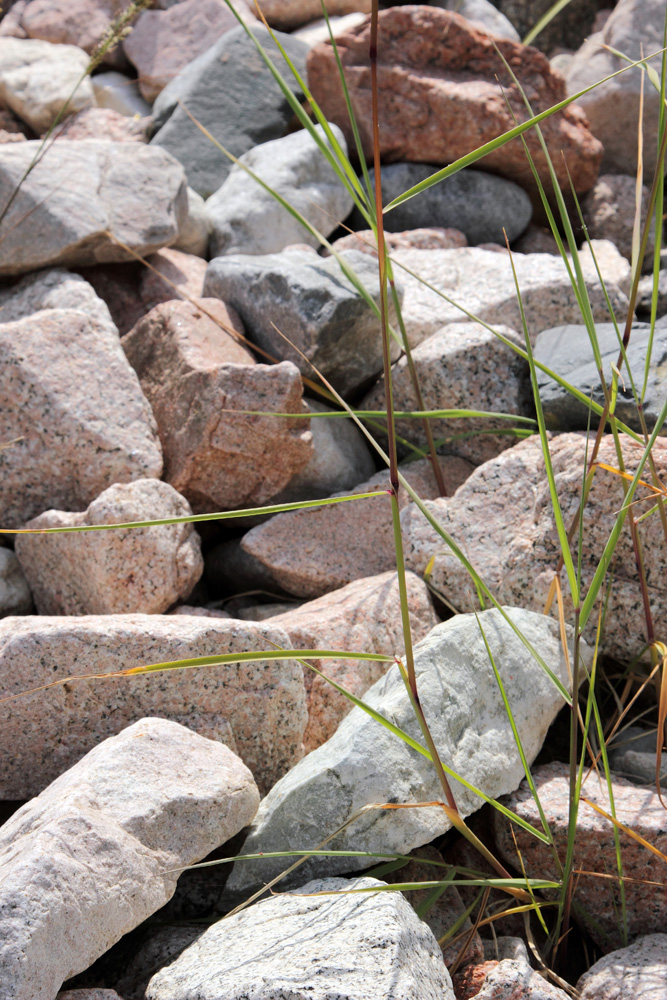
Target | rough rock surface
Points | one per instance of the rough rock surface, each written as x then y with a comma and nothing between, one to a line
103,123
464,366
259,706
113,572
95,853
289,14
84,197
635,28
343,542
37,79
364,763
72,415
480,205
511,979
632,755
217,88
70,22
596,901
366,616
431,238
440,101
546,290
15,596
311,302
192,372
55,288
609,213
366,945
638,971
174,274
92,994
502,518
194,235
483,14
246,218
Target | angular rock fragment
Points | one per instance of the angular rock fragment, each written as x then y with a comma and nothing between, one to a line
99,850
640,970
55,288
259,705
142,570
15,596
38,79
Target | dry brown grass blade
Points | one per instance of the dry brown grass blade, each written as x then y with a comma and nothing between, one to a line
662,720
624,829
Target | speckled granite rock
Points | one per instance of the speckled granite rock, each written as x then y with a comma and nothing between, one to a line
633,755
512,980
502,519
596,900
609,213
82,198
308,299
364,763
431,238
638,972
343,542
73,418
366,616
103,123
463,366
546,290
37,79
54,288
113,572
89,994
289,14
365,946
260,705
192,373
95,853
174,274
15,596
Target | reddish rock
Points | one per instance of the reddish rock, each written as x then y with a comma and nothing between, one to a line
366,616
289,14
192,371
412,239
172,274
595,897
468,982
72,22
103,123
443,91
163,42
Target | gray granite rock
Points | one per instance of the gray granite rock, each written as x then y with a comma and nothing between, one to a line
73,419
632,754
37,80
483,13
361,946
313,304
83,197
478,204
567,350
194,235
609,213
364,763
638,972
15,596
257,707
55,288
89,994
217,88
645,294
99,850
246,218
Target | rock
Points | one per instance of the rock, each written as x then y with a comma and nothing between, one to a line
73,417
614,268
175,274
188,609
260,612
73,22
92,994
10,20
567,28
95,853
365,615
162,43
536,239
635,28
331,326
119,93
192,372
259,705
439,102
15,596
38,79
483,15
367,945
464,366
217,89
480,205
639,970
546,290
645,294
114,572
342,542
52,289
502,518
318,30
596,900
364,763
509,978
341,459
290,14
567,351
161,946
118,286
609,213
432,238
108,193
194,235
632,755
103,123
246,218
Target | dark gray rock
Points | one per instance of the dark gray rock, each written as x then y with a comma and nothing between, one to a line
633,755
218,89
567,351
480,205
311,302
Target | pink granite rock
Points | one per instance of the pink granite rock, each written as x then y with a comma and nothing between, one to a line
113,572
174,275
73,22
366,616
103,123
192,373
289,14
596,899
258,708
415,239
